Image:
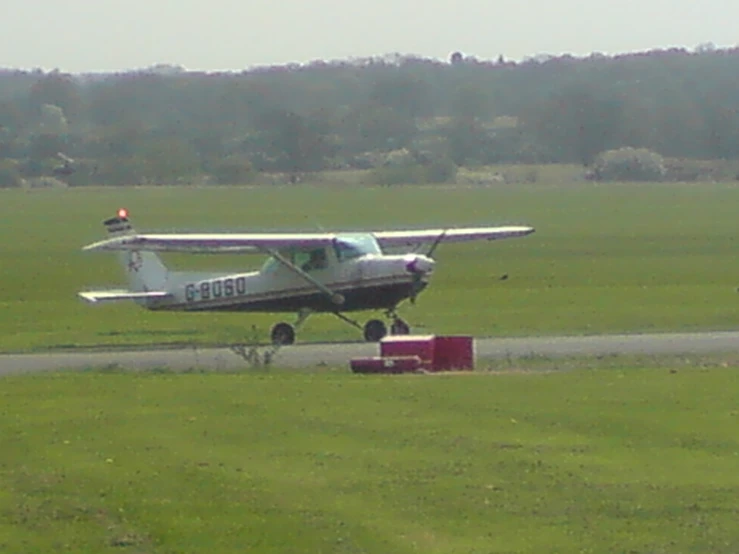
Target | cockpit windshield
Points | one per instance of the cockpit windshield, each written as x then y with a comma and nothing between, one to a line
347,247
352,246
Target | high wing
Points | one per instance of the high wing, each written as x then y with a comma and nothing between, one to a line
394,239
270,242
215,242
95,296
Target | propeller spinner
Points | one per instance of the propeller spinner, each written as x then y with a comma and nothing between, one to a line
419,266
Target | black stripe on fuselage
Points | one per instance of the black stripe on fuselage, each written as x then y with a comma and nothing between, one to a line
376,297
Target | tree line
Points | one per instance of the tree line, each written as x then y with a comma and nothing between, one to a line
166,125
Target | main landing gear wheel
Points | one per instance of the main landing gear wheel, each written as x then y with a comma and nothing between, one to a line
374,330
399,327
282,334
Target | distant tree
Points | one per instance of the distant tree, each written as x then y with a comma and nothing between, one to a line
578,122
126,139
705,47
10,176
470,101
405,94
169,160
11,117
232,171
295,143
440,170
58,89
721,123
372,127
629,164
46,145
52,120
467,141
680,127
126,171
676,102
209,143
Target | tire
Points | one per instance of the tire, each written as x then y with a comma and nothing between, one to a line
374,330
283,334
400,327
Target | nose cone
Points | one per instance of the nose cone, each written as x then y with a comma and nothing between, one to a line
419,264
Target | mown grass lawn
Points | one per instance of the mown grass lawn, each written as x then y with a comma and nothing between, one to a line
616,460
604,258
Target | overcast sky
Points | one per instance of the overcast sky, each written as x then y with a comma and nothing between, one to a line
104,35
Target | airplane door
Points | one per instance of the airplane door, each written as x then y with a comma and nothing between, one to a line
356,270
347,271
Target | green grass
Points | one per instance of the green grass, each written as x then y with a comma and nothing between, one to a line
617,460
605,258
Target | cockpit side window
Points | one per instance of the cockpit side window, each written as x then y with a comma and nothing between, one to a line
311,260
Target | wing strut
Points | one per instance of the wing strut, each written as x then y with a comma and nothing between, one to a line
335,297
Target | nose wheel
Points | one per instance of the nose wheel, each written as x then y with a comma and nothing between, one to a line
400,327
375,329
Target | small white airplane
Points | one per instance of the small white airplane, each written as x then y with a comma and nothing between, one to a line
305,273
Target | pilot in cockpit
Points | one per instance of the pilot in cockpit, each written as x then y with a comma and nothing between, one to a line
317,260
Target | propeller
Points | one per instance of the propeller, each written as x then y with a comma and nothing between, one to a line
436,243
417,284
415,288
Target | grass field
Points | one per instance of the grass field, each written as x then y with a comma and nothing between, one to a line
617,460
605,258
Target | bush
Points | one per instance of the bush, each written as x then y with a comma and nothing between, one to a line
689,170
10,176
45,183
629,164
439,170
397,175
232,171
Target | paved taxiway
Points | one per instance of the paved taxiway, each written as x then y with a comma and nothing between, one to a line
338,355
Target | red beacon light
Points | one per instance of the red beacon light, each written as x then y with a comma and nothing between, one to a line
123,213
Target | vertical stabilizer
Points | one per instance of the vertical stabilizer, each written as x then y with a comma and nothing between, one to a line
144,270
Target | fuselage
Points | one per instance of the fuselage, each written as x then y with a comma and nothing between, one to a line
364,281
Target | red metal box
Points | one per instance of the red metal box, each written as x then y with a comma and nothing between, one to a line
410,345
437,353
453,353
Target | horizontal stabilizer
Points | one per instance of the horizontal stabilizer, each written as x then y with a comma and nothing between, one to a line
94,296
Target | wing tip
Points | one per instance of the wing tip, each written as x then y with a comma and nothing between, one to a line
88,297
107,244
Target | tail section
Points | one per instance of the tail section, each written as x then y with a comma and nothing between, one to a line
144,270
